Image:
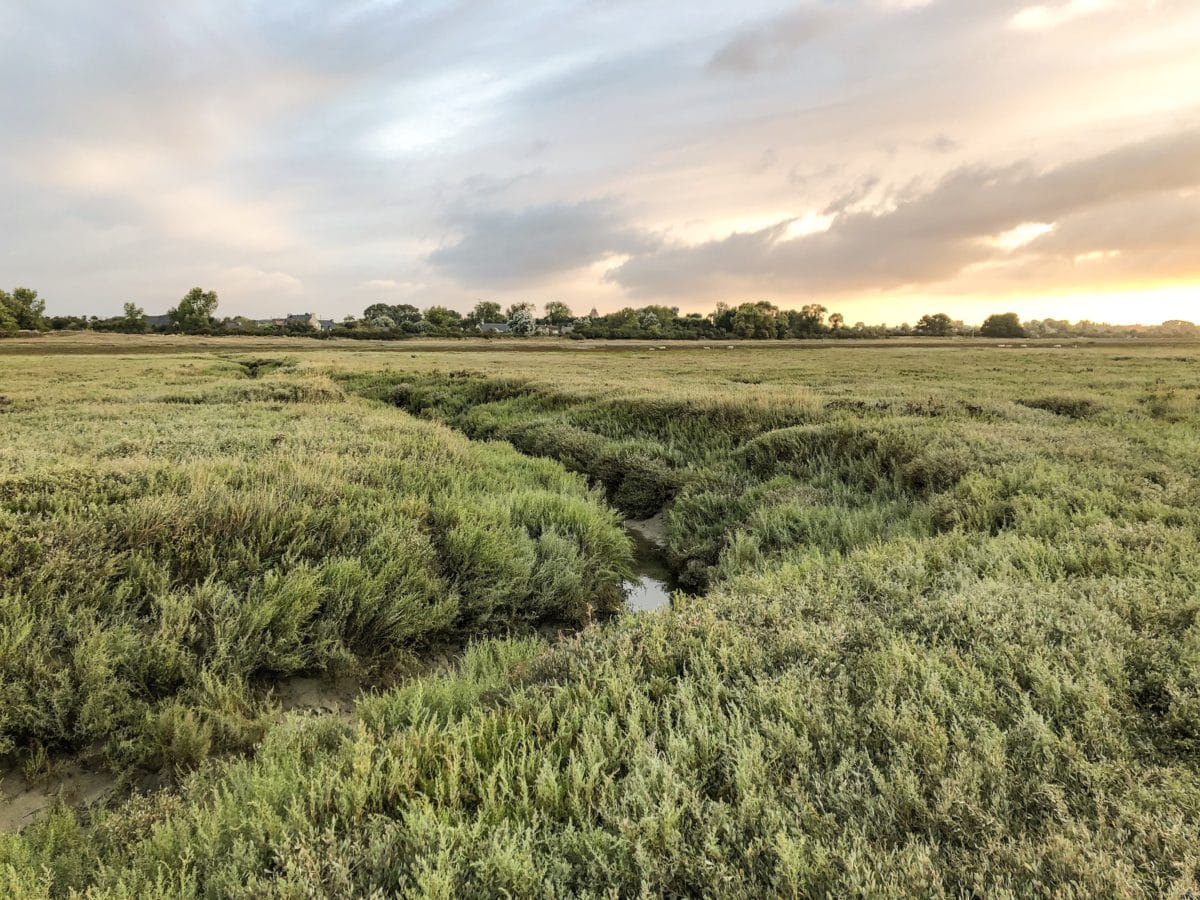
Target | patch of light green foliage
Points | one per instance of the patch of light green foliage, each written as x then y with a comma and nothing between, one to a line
947,643
176,535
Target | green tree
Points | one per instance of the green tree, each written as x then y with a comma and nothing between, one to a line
722,317
24,309
935,325
443,317
406,314
195,310
8,322
1002,325
665,314
134,319
756,320
808,321
626,317
520,319
558,313
400,314
836,321
486,311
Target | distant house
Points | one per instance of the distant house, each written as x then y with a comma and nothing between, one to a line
301,320
307,320
494,327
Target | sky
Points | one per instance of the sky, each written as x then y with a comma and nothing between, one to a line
885,158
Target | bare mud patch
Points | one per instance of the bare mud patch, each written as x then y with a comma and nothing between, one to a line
653,530
23,802
338,696
324,696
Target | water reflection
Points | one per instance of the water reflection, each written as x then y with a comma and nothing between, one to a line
653,582
647,593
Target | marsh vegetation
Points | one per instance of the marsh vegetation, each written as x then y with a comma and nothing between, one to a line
938,632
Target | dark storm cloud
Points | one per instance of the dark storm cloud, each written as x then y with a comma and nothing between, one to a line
525,246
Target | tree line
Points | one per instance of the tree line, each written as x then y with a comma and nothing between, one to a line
195,313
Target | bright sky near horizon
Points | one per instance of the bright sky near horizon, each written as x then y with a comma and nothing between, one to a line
883,157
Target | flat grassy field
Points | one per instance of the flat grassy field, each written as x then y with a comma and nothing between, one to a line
939,633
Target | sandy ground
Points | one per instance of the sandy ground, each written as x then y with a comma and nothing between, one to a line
336,696
22,802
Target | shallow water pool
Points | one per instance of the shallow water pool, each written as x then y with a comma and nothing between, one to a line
652,584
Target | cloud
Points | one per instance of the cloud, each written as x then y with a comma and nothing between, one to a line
853,197
1043,16
158,145
941,144
1155,234
481,184
769,45
765,162
250,280
504,246
926,236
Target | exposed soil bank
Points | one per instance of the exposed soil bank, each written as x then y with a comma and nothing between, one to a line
652,530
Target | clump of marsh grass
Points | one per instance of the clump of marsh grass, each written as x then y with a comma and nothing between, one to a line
144,604
1071,407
